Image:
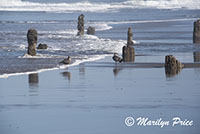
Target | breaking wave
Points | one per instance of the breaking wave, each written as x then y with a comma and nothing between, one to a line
19,5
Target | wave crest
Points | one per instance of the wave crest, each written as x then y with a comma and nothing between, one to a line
18,5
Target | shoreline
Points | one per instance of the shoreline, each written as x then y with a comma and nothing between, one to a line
104,58
4,76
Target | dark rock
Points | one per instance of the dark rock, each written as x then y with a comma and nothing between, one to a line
196,32
128,54
172,66
91,30
116,58
66,60
42,46
32,41
80,25
130,37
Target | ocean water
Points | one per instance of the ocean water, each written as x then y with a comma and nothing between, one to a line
160,27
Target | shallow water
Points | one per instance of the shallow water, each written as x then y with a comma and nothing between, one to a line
96,97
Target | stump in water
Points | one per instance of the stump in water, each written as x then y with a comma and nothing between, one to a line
172,66
32,41
196,32
91,31
80,25
128,52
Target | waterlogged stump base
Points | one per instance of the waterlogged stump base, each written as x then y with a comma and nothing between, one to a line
128,54
172,66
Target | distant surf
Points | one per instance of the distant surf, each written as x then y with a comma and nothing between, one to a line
19,5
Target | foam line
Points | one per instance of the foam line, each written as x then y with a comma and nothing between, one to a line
97,57
18,5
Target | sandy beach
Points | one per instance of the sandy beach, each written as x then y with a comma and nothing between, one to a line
73,86
96,97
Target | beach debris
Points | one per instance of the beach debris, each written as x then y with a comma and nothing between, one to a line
172,66
116,58
91,30
32,41
66,60
42,46
196,56
128,51
80,25
130,37
196,32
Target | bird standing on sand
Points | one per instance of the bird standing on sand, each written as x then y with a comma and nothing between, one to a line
116,58
66,60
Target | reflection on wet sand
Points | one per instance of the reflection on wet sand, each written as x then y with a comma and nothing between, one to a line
116,70
82,69
196,56
33,80
66,75
172,72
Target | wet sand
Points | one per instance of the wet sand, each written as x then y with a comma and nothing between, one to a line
96,97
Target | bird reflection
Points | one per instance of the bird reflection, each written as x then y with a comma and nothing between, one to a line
116,70
66,75
33,80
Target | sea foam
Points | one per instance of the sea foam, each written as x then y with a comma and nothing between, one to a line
85,6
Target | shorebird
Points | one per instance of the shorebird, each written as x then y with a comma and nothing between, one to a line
66,60
116,58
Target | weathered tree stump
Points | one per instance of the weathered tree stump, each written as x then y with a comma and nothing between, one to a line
171,62
80,25
32,41
91,30
196,32
130,37
128,54
172,66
